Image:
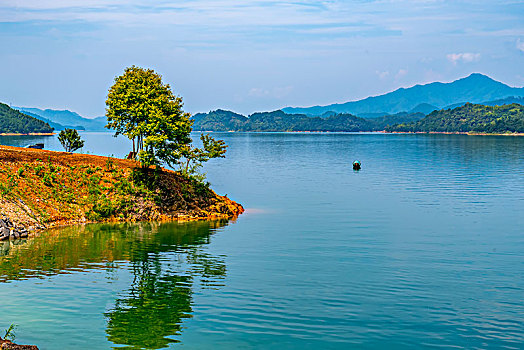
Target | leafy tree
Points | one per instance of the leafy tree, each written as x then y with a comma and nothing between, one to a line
192,157
10,333
144,109
70,140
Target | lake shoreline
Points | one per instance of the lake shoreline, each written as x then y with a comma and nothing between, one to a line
40,189
453,133
29,134
371,132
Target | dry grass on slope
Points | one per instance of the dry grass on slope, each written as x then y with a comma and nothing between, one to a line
41,188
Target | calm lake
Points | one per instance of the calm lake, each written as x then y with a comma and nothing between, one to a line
422,248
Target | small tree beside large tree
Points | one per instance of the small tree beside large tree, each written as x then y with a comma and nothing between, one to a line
70,140
144,109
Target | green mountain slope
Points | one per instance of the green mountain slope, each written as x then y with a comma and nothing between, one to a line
475,88
469,118
12,121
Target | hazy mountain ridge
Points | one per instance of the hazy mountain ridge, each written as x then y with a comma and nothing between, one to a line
56,126
475,88
65,118
414,102
499,102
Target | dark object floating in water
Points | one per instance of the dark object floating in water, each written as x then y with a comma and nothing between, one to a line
356,165
36,145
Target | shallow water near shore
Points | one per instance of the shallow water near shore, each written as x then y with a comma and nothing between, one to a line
422,248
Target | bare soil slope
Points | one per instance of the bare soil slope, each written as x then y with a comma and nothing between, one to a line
40,188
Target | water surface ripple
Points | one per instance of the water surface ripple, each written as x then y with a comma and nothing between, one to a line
422,248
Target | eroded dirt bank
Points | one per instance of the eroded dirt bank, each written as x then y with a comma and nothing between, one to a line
41,189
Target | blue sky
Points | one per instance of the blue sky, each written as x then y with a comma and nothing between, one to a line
251,55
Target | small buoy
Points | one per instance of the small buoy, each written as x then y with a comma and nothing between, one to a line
356,165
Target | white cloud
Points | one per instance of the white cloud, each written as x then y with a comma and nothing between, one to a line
401,73
466,57
258,92
520,45
382,75
276,92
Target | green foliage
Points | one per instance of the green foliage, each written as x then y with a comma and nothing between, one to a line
70,140
38,170
48,179
143,108
103,208
10,333
192,157
12,121
110,164
7,187
146,177
470,118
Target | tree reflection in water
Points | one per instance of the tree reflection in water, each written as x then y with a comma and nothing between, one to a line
167,262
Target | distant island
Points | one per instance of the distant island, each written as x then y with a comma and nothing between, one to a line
468,118
276,121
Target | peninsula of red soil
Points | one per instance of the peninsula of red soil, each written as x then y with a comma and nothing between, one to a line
40,189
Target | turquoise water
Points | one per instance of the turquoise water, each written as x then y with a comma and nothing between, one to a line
422,248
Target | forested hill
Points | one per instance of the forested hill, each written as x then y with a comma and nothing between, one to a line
14,122
469,118
221,120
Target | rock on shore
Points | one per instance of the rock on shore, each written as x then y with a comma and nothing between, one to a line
9,231
8,345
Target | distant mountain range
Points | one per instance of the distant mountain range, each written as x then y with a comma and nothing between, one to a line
400,107
61,119
221,120
476,88
505,118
